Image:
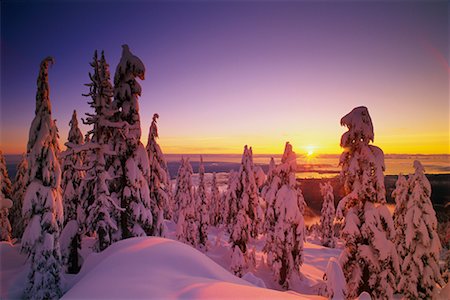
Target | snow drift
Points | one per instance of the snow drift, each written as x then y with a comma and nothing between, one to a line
151,267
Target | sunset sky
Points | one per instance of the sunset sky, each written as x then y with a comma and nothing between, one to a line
225,74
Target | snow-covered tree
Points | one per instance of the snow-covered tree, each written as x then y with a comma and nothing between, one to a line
159,180
231,199
5,201
217,205
420,268
401,196
268,192
99,210
71,176
245,193
133,188
71,180
18,192
42,204
285,225
187,229
327,215
369,260
203,207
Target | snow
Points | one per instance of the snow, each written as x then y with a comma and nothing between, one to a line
159,268
151,267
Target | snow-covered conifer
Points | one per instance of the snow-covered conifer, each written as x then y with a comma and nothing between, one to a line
285,225
245,193
401,196
369,261
100,210
71,176
231,199
327,215
187,229
18,192
71,179
268,192
203,207
159,180
217,205
420,268
42,204
134,193
5,201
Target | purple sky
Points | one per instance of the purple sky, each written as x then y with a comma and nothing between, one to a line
225,74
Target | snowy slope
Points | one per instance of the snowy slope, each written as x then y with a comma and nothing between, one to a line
151,267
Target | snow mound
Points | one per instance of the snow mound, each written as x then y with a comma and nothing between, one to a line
158,268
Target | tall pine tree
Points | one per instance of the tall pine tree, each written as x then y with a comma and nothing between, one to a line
369,260
136,219
187,229
203,207
43,202
285,234
420,267
5,201
159,180
327,215
100,207
18,192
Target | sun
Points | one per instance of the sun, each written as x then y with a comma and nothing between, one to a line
310,151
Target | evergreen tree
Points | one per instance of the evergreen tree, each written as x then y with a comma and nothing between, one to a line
285,234
159,180
243,194
401,196
217,205
203,206
243,201
136,219
71,180
187,229
420,268
5,201
18,192
271,186
71,176
369,260
231,199
42,204
327,215
100,210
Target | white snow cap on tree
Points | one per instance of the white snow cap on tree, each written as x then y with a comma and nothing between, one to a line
5,201
369,260
327,215
420,267
42,203
360,128
18,192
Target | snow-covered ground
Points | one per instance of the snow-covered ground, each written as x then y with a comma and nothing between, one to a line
160,268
